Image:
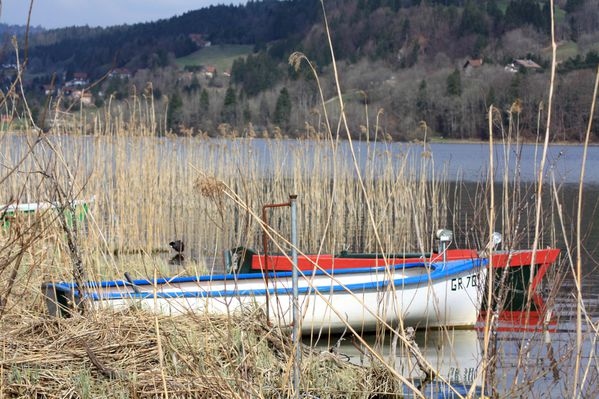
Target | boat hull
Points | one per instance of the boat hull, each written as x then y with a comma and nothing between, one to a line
418,296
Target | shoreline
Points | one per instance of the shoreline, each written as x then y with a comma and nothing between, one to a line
434,140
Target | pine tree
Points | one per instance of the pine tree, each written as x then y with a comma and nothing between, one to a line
422,100
247,114
473,19
204,101
195,84
454,84
175,111
229,111
283,109
264,111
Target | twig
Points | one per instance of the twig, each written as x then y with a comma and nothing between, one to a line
578,239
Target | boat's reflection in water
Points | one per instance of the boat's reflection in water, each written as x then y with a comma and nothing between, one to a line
454,354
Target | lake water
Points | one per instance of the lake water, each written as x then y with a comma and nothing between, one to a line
459,161
463,161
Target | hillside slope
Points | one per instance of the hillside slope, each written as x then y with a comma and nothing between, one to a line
419,66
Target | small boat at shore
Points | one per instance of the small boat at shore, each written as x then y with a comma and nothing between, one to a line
76,211
249,260
516,262
517,273
440,294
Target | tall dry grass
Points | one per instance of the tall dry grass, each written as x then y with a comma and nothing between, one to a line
145,194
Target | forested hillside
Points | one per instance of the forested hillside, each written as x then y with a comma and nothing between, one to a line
413,65
153,44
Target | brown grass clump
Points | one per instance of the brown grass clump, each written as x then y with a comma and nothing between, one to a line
202,356
210,187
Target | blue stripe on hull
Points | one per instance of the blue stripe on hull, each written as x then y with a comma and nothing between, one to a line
439,272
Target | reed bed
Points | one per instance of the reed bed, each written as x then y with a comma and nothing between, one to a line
145,193
149,190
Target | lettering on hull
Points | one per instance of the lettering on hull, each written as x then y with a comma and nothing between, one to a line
461,283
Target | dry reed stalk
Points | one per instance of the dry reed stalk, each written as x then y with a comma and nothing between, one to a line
367,199
541,170
579,239
160,353
490,272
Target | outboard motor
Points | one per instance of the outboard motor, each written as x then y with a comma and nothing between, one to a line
239,261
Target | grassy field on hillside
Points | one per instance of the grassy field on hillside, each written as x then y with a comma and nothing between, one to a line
560,13
221,56
565,50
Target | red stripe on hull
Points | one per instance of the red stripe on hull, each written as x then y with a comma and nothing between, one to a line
327,261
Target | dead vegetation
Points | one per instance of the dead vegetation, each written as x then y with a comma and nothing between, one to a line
107,355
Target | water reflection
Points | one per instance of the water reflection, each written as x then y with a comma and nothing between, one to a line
177,260
455,354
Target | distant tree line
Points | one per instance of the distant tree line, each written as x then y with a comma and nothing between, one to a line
405,56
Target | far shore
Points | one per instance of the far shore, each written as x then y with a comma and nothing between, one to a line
430,140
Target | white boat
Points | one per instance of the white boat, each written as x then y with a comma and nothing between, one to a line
10,209
421,295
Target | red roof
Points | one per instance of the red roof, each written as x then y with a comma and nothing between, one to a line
528,64
474,63
121,71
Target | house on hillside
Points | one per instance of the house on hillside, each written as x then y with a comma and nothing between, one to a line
227,73
522,65
49,90
86,98
511,68
79,80
528,64
209,71
120,73
471,64
199,40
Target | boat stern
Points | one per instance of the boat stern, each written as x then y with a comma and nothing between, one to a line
60,300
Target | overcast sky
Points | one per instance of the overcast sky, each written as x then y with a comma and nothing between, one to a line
59,13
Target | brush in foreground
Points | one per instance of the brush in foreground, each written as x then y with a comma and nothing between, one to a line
119,355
